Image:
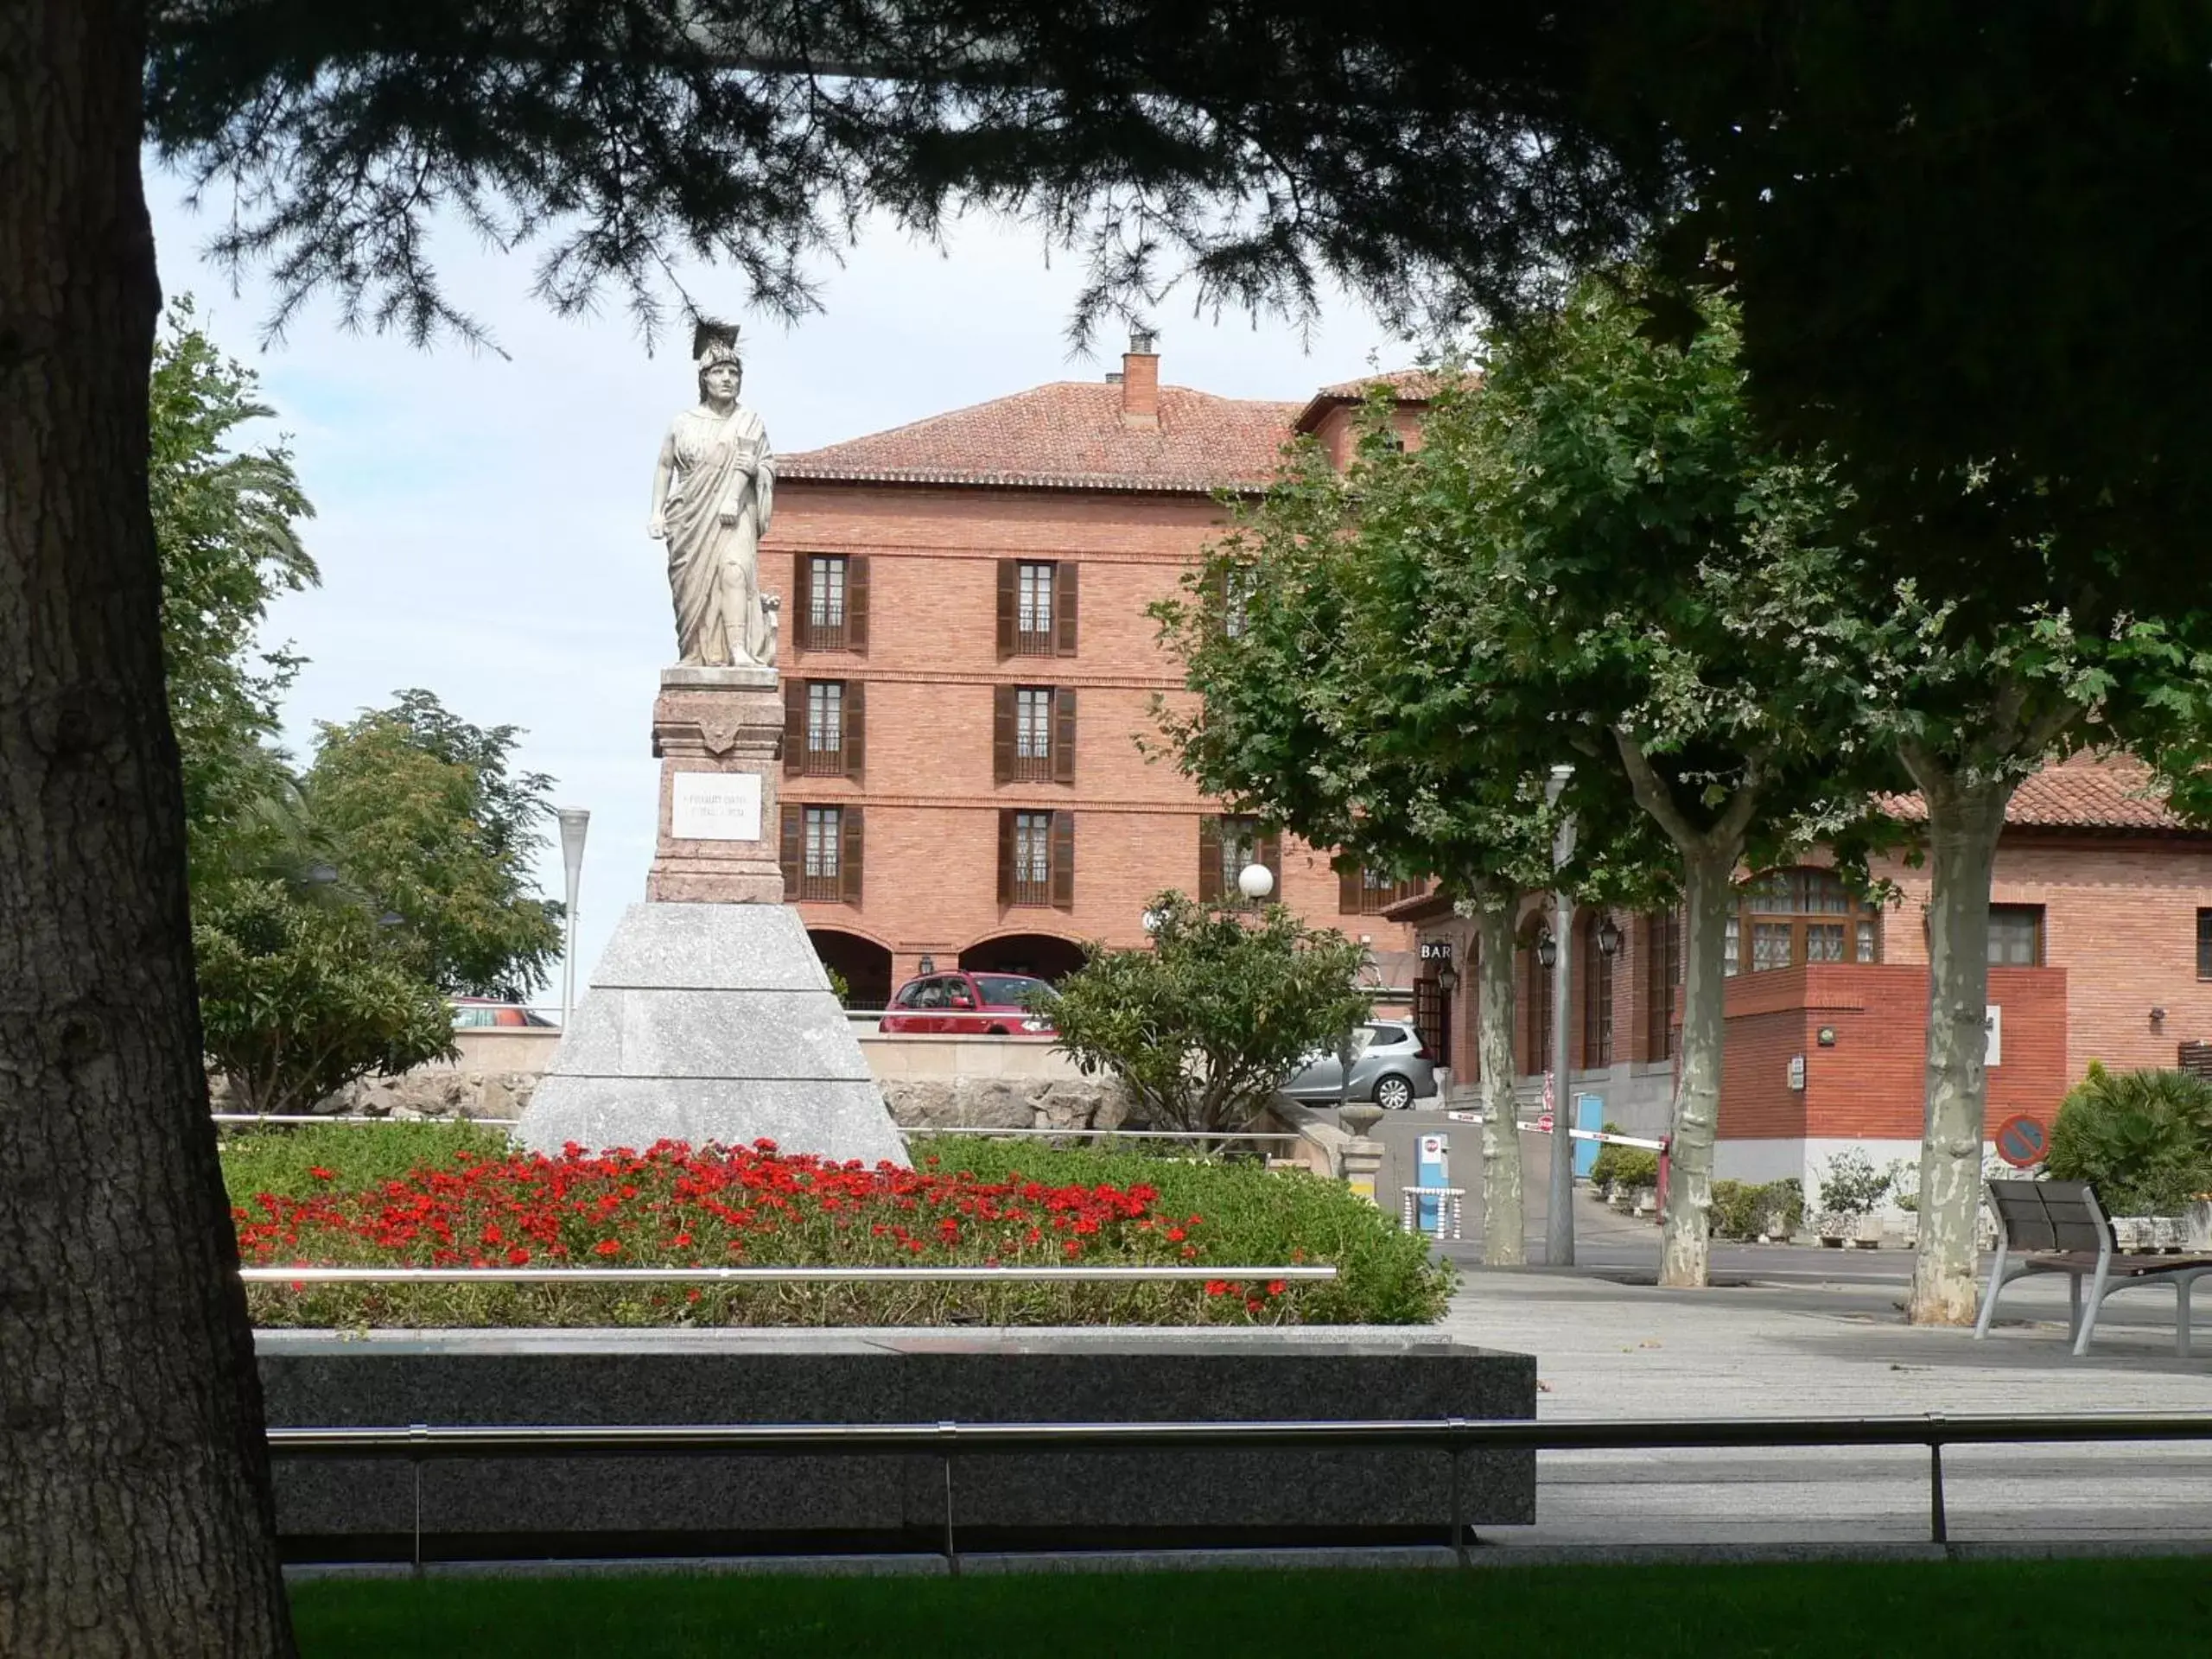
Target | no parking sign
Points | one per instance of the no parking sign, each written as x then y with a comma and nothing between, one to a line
2021,1141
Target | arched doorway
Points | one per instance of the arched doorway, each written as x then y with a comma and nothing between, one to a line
1041,954
864,965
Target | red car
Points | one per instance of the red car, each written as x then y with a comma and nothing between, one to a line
977,1005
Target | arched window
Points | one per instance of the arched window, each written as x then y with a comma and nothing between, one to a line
1595,987
1536,998
1786,918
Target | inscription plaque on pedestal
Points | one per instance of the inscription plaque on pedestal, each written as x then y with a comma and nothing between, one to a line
714,806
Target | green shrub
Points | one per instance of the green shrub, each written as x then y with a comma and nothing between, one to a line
1851,1186
1748,1210
1627,1166
2142,1138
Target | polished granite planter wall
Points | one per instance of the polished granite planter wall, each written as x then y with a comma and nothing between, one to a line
363,1509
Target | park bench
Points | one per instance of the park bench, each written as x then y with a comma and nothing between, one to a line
2057,1227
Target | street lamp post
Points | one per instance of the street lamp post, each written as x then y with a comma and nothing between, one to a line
1559,1220
574,821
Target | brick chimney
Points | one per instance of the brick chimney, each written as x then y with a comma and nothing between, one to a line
1141,382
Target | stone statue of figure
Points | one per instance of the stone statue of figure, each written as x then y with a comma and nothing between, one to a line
713,492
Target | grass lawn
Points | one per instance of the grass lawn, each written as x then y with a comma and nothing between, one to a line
1820,1611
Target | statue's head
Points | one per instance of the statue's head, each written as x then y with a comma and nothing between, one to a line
714,354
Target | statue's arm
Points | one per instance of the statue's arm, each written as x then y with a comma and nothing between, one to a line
764,484
663,470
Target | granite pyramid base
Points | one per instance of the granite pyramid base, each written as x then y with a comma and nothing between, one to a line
716,1023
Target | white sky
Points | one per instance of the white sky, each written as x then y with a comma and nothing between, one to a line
480,520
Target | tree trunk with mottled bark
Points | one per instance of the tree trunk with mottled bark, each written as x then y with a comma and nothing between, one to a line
1965,817
1505,1243
1686,1231
134,1515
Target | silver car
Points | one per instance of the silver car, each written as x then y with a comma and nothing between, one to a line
1389,1066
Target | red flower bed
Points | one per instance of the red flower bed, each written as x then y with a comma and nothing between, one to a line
673,1207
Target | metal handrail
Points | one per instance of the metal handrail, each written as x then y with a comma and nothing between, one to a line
1442,1434
925,1129
1455,1436
351,1117
764,1275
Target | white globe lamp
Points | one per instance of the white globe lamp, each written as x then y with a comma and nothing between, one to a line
1256,881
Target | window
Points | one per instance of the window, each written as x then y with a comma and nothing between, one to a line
1791,917
2204,944
823,728
831,604
1237,585
1036,608
1226,845
1037,858
821,854
1539,1000
825,831
1032,734
1364,891
1663,962
2015,936
1597,993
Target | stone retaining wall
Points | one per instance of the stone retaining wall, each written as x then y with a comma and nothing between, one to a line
355,1509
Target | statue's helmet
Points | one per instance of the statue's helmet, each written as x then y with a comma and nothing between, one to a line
714,343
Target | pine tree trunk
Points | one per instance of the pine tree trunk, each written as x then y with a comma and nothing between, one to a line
134,1515
1505,1243
1964,821
1684,1240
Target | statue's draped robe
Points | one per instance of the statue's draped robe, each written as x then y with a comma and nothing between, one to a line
721,464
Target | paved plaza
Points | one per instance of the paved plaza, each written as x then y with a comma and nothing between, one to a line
1801,1332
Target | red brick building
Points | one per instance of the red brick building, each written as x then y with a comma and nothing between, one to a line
2100,948
968,670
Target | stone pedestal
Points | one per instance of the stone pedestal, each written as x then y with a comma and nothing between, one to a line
711,1018
718,734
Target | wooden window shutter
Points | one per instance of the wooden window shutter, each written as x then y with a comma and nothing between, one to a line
1064,861
855,729
1005,858
1064,606
1209,861
1009,578
1064,734
1002,734
802,600
791,850
850,848
794,728
856,602
1351,883
1271,855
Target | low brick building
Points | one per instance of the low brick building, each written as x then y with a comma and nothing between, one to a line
2100,948
969,669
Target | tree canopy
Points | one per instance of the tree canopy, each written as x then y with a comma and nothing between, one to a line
227,522
1958,238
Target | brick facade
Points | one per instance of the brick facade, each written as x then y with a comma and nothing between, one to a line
936,681
2118,908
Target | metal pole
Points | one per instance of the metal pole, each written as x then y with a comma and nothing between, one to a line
1558,1219
576,821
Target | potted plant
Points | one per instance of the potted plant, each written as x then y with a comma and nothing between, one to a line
1850,1188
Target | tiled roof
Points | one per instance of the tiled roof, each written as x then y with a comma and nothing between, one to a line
1069,434
1408,385
2085,792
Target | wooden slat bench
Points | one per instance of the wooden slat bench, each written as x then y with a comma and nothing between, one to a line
2057,1227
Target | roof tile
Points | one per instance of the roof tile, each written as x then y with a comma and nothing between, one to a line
1069,434
2085,792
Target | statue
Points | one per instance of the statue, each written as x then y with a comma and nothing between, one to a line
713,491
